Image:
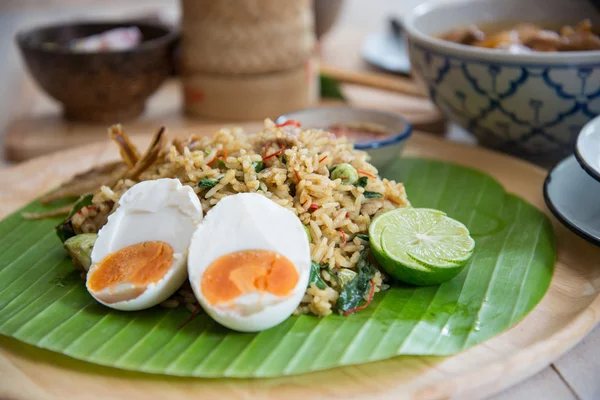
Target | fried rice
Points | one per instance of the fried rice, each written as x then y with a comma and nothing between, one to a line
290,166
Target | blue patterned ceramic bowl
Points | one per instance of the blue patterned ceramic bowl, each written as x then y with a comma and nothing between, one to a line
530,105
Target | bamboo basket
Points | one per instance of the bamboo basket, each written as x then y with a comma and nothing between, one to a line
246,36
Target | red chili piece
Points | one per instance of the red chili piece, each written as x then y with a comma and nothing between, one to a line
347,215
297,175
313,207
366,174
323,159
343,235
278,152
265,148
371,293
221,157
289,122
87,208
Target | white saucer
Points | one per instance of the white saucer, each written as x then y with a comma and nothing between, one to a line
573,196
587,149
386,51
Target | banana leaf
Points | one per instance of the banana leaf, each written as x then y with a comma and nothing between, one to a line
43,300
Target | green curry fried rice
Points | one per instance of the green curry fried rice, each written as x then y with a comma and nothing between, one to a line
290,166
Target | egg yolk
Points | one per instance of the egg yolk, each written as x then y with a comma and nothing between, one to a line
248,271
140,264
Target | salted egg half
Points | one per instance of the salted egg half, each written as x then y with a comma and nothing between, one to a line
140,256
249,262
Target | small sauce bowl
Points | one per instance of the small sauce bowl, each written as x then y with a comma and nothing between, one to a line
381,134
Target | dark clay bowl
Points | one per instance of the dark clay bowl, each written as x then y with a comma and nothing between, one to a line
108,86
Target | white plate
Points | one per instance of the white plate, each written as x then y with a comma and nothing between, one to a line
573,197
587,149
386,51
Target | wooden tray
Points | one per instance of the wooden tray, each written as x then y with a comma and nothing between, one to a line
570,309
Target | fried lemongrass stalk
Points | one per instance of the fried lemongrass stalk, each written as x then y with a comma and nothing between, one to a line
191,142
157,144
89,181
128,151
64,210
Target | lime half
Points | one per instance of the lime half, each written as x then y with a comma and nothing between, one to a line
420,246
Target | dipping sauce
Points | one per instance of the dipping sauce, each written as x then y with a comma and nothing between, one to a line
359,131
527,37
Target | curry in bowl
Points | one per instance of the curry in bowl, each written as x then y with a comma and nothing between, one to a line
527,37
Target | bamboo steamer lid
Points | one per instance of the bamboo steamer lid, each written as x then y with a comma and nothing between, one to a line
251,97
246,36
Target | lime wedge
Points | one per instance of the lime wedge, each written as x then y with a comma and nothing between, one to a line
420,246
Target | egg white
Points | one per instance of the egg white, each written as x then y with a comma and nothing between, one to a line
250,221
157,210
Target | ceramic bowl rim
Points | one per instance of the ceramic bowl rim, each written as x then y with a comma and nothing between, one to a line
558,215
593,172
169,36
481,53
371,144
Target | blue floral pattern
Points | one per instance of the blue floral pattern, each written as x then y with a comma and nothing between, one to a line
534,110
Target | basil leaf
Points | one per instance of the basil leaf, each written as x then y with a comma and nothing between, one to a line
221,164
65,230
345,276
83,201
372,195
258,166
208,183
315,276
283,160
355,291
362,236
362,182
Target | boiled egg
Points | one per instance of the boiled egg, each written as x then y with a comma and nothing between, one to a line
140,256
249,262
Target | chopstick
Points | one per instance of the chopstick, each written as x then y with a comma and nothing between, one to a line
375,80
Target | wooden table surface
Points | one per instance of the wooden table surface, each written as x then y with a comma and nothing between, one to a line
574,376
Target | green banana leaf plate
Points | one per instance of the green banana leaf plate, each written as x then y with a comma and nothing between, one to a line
43,300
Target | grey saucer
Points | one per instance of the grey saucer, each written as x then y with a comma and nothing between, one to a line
574,198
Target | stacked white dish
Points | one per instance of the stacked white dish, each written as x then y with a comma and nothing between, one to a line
572,188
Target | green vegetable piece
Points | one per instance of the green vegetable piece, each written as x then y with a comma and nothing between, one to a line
372,195
355,291
330,88
362,236
258,166
362,182
221,164
83,201
345,276
307,230
80,249
315,276
65,230
206,183
283,160
346,172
